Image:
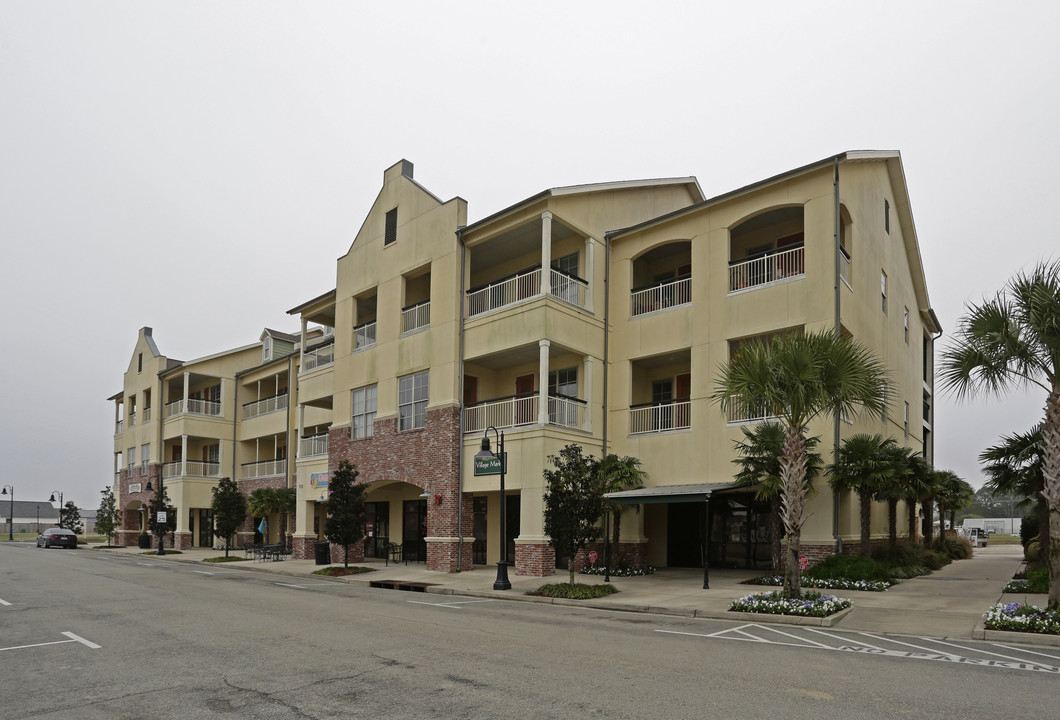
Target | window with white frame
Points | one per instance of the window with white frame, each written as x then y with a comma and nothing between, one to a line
563,382
131,455
145,454
412,401
364,404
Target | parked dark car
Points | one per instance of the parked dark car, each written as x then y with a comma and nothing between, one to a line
60,537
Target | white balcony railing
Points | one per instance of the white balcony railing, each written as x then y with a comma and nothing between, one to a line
264,406
192,468
506,291
117,427
767,269
742,413
568,412
147,414
132,419
313,446
193,406
662,296
660,417
569,288
264,468
364,335
318,358
416,316
501,413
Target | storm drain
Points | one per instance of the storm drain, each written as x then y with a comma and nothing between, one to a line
400,585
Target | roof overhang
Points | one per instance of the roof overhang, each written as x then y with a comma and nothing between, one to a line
669,493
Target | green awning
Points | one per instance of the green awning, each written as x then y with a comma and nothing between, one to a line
669,493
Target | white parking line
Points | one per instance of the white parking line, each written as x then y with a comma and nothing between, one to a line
4,602
73,638
202,572
81,640
452,605
300,587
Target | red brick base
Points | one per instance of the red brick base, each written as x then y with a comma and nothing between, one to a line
535,560
303,548
442,556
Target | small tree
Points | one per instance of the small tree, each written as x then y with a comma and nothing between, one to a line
573,502
345,523
229,507
617,474
868,465
107,515
70,518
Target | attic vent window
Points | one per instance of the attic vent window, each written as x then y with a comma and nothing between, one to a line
391,227
140,362
887,216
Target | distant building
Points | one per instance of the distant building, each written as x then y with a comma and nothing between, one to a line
29,515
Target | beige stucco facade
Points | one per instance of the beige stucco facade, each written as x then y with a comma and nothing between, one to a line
595,315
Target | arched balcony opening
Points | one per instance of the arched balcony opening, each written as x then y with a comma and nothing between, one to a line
767,249
662,278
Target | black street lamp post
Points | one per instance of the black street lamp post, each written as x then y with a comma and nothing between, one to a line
161,529
502,582
11,511
52,499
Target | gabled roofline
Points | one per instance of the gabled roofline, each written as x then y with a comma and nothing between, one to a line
204,358
297,310
291,337
588,188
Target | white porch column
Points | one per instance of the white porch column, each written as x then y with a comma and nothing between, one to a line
546,253
587,382
590,265
187,391
220,456
301,348
183,455
301,430
542,389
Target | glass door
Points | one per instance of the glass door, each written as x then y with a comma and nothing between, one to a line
414,530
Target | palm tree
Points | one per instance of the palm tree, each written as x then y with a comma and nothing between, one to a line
914,482
758,456
1014,467
266,501
260,503
951,495
617,474
1012,341
797,377
866,464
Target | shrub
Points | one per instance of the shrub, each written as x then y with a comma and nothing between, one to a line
851,567
578,591
1032,550
958,548
340,571
620,571
1023,618
223,559
1028,529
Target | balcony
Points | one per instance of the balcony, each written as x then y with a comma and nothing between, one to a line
523,285
318,357
265,406
192,468
768,268
147,414
364,336
118,427
660,417
264,468
661,296
193,406
415,317
519,410
313,446
742,413
132,419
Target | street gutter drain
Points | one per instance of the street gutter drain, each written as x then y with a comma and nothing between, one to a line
400,585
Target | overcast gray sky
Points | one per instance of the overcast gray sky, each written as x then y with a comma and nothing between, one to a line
198,167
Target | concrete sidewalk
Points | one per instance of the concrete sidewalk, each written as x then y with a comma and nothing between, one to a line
948,603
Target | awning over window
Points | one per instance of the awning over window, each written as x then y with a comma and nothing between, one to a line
669,493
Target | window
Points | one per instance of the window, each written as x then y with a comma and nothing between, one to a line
662,391
887,216
567,264
905,419
905,326
364,404
883,291
266,349
131,454
145,454
140,362
390,232
563,382
211,453
412,401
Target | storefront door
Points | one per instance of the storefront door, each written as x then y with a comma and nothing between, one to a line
414,530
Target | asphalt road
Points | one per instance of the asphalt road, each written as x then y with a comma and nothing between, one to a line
149,639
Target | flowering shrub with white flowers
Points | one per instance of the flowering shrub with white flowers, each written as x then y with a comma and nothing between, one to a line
774,603
830,583
1016,586
618,572
1023,618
